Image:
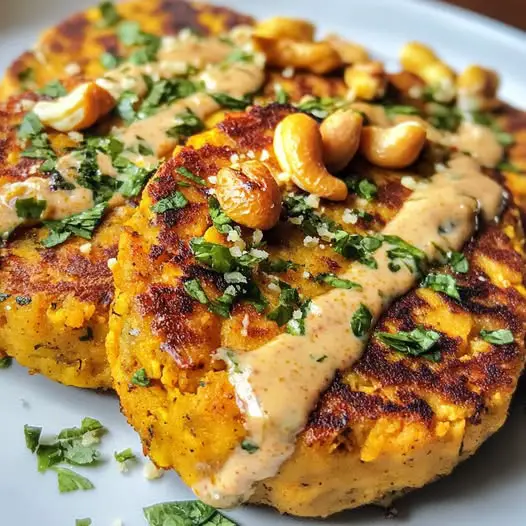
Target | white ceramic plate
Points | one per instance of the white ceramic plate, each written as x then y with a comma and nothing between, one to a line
486,490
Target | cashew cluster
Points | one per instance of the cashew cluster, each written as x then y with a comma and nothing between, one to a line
249,195
366,81
289,42
477,89
422,61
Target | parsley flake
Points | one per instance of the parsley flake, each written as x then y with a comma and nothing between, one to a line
190,512
226,101
418,342
442,283
361,321
30,208
174,201
338,283
140,378
109,14
249,446
497,337
187,124
362,188
69,481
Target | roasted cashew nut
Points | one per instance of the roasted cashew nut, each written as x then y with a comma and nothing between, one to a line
317,57
298,147
282,27
350,52
395,147
249,195
477,89
367,81
77,110
340,133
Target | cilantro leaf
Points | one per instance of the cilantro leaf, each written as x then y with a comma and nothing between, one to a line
82,224
124,455
32,436
134,179
165,91
249,446
30,126
458,262
185,513
398,109
194,290
282,97
362,187
185,172
222,222
109,60
68,480
442,283
217,257
187,124
321,107
5,362
126,106
361,321
53,89
279,265
80,455
334,281
140,378
418,342
226,101
288,302
30,208
83,522
497,337
109,14
174,201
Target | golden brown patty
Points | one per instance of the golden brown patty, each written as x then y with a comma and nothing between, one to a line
390,423
55,317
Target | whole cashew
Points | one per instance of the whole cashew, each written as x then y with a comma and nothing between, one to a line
340,133
318,57
282,27
77,110
249,195
299,149
395,147
350,52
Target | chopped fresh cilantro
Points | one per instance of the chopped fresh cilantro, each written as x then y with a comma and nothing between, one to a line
164,92
486,119
418,342
130,34
458,262
187,124
361,321
403,252
397,109
226,101
23,300
249,446
32,436
134,179
444,117
82,224
140,378
362,188
279,265
53,89
289,300
338,283
217,257
174,201
4,296
57,182
30,208
239,55
222,222
442,283
126,106
282,97
194,290
124,455
296,325
357,247
321,107
497,337
109,14
30,126
68,480
185,513
506,166
185,172
5,362
109,60
83,522
80,455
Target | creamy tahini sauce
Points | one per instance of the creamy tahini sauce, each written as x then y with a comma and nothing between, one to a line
59,203
278,385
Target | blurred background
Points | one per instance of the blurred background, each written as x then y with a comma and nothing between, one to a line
512,12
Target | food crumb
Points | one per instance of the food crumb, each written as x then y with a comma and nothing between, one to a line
152,472
111,263
244,325
86,249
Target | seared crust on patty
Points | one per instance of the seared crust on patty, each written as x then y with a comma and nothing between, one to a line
390,423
